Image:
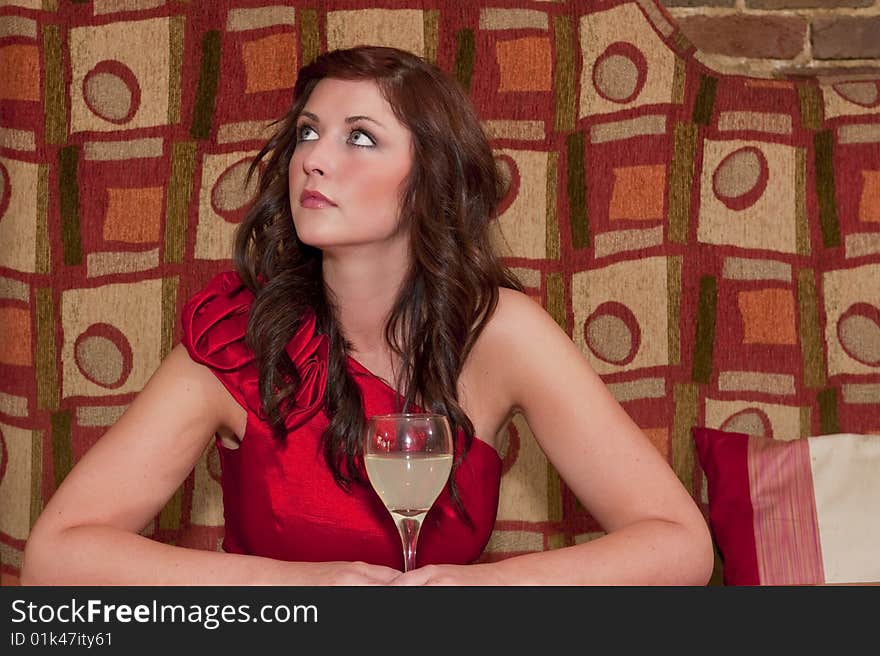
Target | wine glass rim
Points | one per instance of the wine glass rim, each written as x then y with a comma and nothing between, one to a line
407,415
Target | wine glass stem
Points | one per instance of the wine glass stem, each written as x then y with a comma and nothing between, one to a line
409,536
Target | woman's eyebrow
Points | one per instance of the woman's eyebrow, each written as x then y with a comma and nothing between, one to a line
353,119
349,120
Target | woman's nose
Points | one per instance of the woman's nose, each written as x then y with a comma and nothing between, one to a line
318,158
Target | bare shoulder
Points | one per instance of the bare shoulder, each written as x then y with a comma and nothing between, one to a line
186,380
519,337
485,388
519,322
526,350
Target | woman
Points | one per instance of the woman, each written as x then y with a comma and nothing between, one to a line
365,284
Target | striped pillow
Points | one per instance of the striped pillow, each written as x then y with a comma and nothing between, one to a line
804,511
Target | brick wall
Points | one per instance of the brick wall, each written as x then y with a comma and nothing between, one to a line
775,38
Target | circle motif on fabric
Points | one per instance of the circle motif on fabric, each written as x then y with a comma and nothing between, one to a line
858,331
111,91
103,355
751,421
230,198
4,456
612,333
741,178
865,93
5,190
510,181
509,447
619,73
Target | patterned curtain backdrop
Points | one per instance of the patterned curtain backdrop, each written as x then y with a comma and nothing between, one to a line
710,242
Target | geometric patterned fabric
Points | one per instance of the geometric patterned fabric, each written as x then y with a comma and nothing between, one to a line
710,242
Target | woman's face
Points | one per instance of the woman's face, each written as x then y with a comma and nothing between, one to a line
352,150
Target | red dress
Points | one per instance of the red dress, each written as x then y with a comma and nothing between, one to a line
279,496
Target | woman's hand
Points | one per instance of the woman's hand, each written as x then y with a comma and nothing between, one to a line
479,574
339,573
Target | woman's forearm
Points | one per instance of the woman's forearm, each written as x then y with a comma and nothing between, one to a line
650,552
103,555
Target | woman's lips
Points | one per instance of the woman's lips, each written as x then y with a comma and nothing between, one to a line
315,200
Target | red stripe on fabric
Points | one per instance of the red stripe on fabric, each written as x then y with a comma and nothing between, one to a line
784,512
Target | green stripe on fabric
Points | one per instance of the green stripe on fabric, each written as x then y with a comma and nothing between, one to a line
704,103
310,38
577,190
465,47
802,229
806,421
431,27
566,84
71,244
45,365
169,517
170,286
554,494
54,95
556,299
183,161
681,42
828,423
705,340
810,330
557,541
206,91
552,224
673,280
50,5
177,29
679,80
43,252
810,106
62,450
686,398
681,179
824,146
36,475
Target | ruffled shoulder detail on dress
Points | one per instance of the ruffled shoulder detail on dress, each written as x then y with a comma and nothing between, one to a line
215,322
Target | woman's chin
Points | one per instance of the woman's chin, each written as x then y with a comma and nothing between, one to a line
322,241
327,239
311,233
321,244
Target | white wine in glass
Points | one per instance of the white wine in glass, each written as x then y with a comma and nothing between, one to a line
408,458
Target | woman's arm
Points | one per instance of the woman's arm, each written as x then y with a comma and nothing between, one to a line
655,533
88,532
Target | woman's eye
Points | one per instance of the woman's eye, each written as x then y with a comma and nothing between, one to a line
361,138
302,133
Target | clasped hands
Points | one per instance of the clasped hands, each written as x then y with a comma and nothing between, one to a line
360,573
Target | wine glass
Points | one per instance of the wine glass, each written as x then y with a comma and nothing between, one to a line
408,458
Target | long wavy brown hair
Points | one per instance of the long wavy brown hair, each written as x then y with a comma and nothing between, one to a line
449,198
